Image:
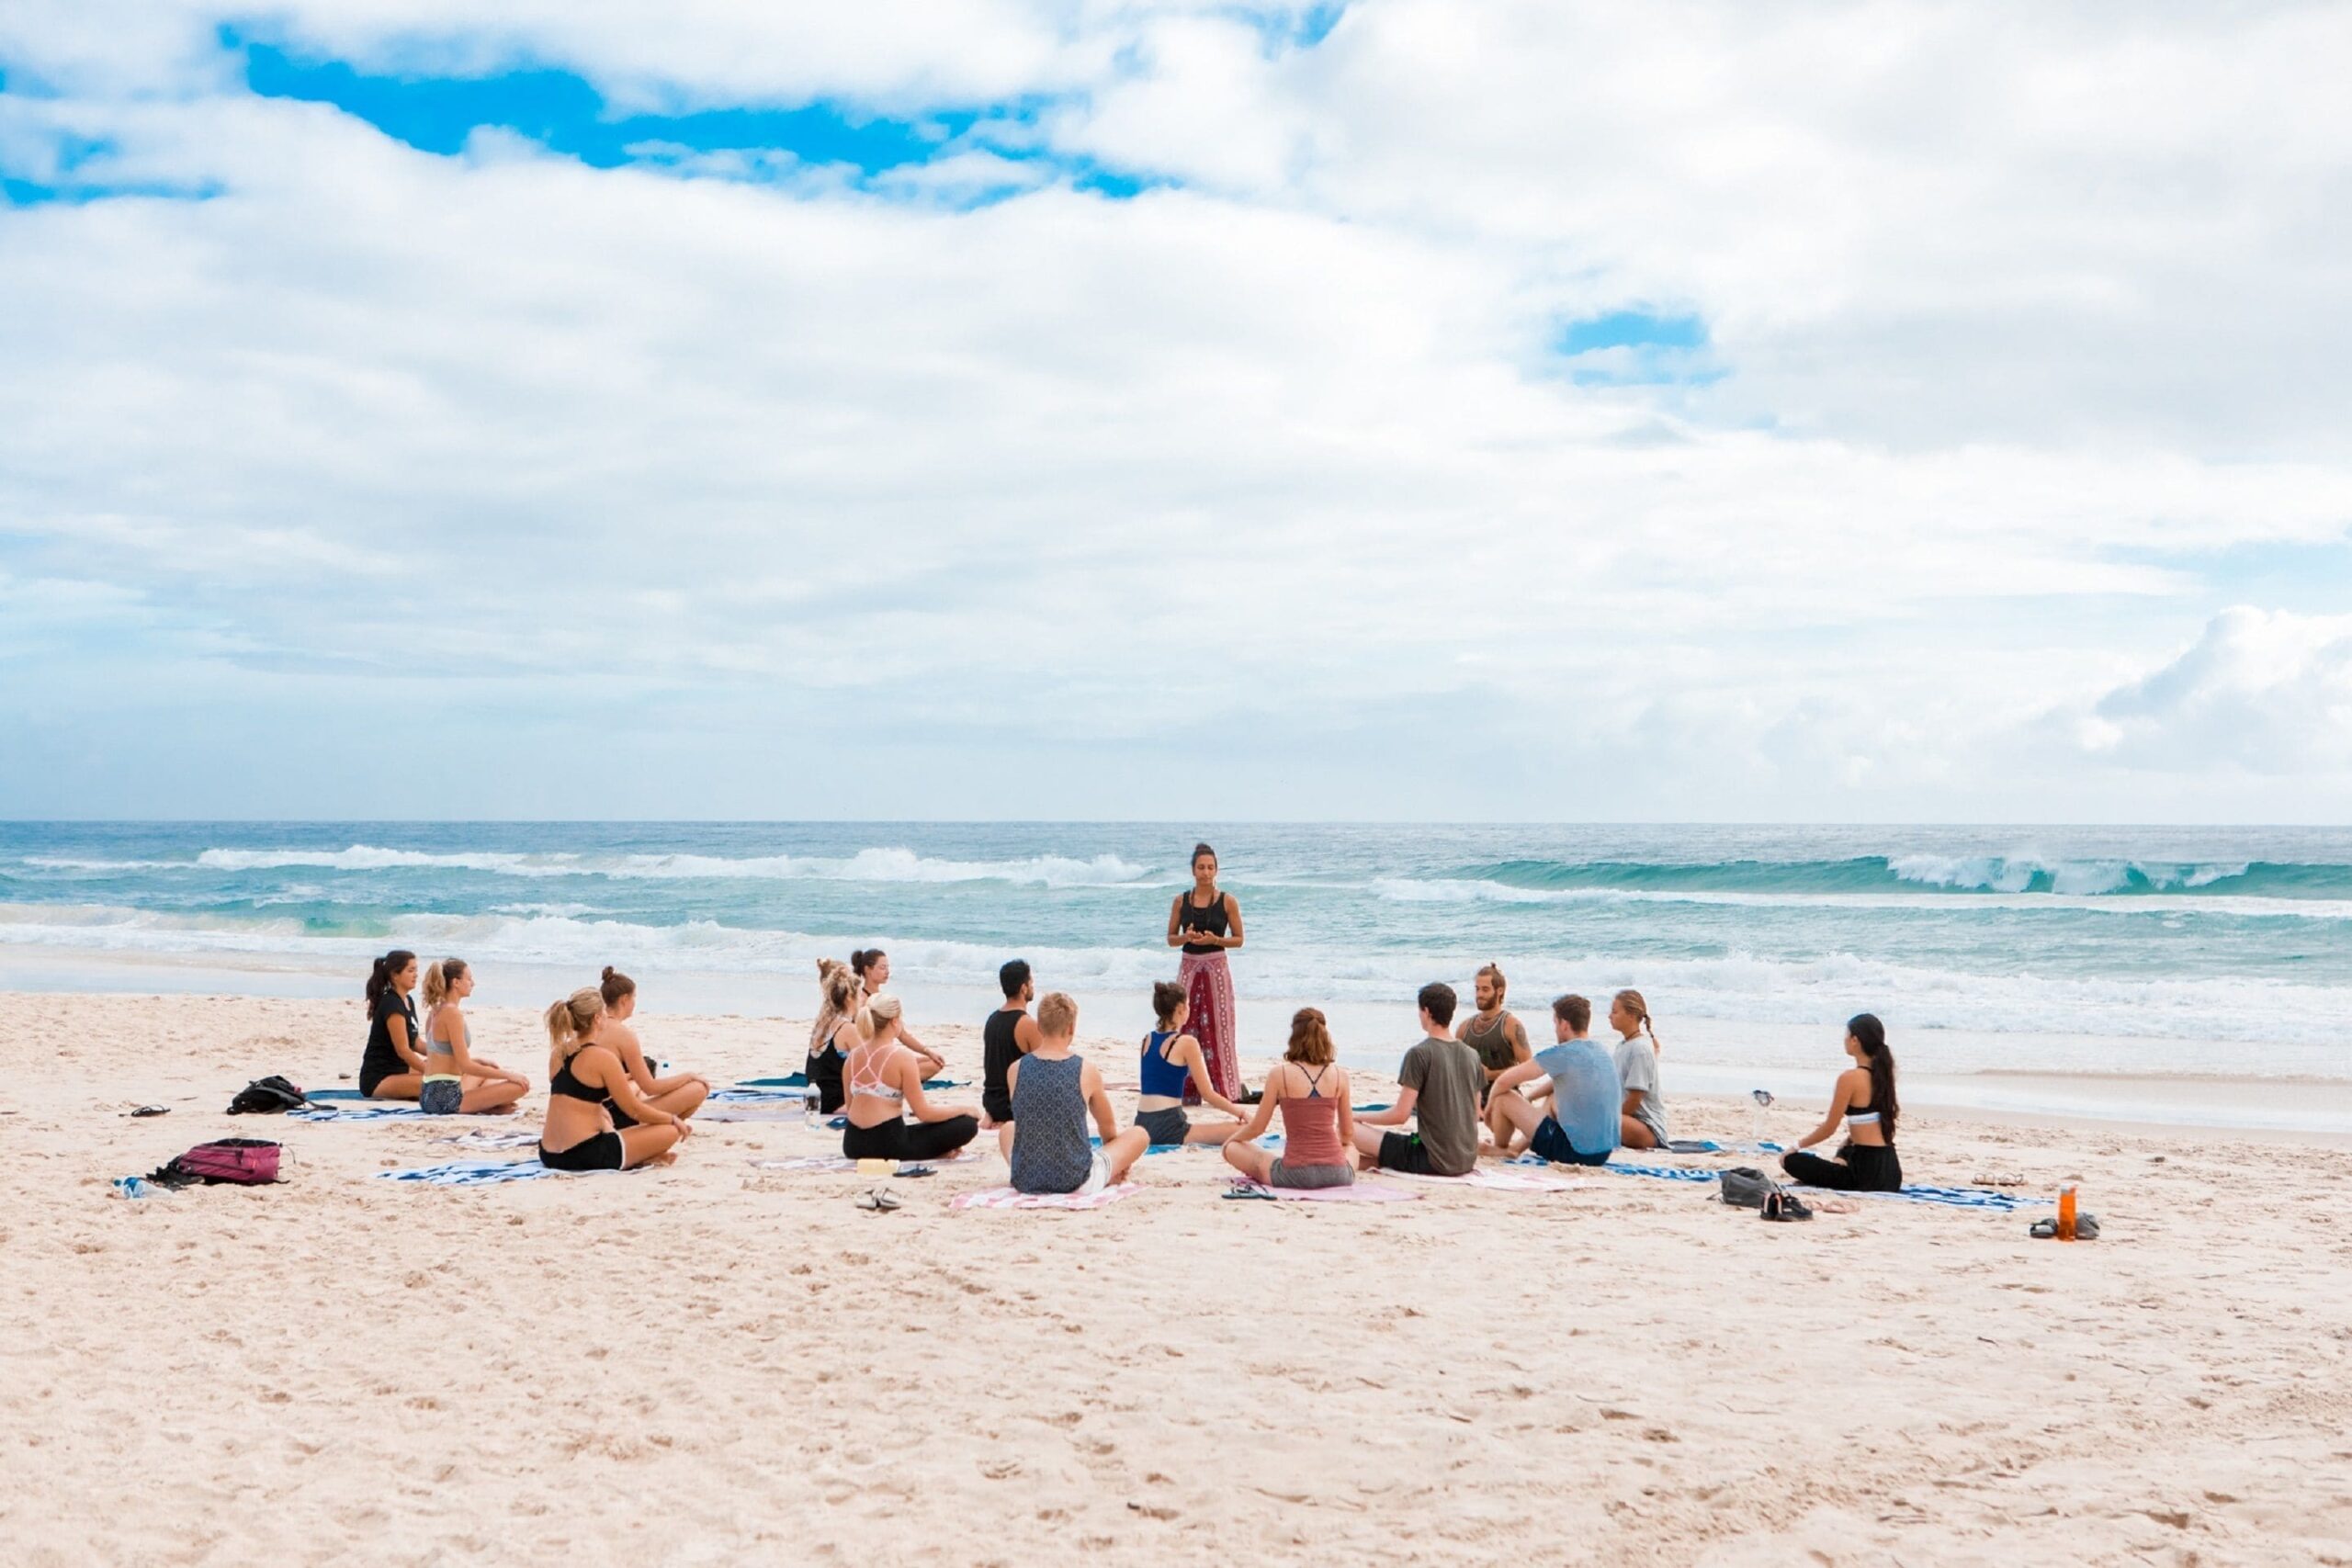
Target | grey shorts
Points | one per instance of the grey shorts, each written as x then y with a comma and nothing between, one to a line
441,1097
1304,1176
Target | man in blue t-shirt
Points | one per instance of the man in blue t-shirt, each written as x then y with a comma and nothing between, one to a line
1580,1127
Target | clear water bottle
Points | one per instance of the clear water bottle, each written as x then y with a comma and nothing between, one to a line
812,1107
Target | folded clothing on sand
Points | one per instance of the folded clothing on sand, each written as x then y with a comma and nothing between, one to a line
1012,1198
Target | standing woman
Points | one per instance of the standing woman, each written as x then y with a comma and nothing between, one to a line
456,1080
1863,1098
1206,923
393,1064
681,1094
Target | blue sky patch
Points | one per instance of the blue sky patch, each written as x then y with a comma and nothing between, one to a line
1633,329
1637,348
565,113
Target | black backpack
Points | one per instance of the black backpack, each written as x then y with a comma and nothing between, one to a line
264,1095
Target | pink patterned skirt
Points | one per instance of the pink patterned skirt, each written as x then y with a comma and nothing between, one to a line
1208,988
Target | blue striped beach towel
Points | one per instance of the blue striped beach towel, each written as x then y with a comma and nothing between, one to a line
471,1173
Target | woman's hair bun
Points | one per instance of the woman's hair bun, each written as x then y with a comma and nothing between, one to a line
607,974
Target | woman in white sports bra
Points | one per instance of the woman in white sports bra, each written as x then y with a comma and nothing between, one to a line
1864,1099
884,1083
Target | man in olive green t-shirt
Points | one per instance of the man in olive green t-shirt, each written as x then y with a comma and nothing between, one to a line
1440,1085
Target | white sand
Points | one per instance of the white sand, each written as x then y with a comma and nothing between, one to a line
715,1364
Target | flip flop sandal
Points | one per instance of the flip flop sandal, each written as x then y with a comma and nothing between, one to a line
1241,1192
1785,1206
153,1110
909,1172
2047,1230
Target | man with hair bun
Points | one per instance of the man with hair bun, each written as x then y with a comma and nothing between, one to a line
1499,1039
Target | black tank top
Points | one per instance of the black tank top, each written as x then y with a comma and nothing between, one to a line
1000,1048
1191,918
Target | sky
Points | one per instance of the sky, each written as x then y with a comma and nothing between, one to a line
1404,410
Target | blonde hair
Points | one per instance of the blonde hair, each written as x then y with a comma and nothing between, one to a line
1310,1038
1057,1015
1502,987
828,1017
573,1017
439,977
1640,1009
882,1010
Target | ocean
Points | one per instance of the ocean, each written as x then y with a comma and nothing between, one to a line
2221,955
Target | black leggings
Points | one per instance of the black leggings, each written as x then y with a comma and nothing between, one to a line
1857,1168
901,1139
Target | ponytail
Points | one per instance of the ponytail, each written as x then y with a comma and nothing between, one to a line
1870,1034
572,1018
380,978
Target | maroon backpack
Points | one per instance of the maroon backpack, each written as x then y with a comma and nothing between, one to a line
246,1162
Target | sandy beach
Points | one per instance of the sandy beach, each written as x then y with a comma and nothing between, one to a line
717,1363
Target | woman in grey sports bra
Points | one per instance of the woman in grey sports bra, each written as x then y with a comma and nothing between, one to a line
456,1080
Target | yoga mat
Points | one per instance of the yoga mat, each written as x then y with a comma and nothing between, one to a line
370,1110
515,1140
800,1080
474,1173
1007,1198
1362,1192
1494,1179
1942,1197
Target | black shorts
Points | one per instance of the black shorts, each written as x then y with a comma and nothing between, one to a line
603,1152
370,1077
1406,1151
904,1139
1551,1142
998,1104
1167,1125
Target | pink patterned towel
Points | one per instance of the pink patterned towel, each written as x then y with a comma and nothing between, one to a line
1009,1198
1498,1180
1361,1192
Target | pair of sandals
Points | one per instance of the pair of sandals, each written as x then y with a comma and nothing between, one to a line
880,1200
1785,1206
2085,1228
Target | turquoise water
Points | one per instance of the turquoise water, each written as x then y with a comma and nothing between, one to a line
2216,949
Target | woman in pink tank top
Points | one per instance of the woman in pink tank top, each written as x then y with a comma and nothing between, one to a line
1318,1125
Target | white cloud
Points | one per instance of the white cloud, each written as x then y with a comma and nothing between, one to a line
2270,692
1274,456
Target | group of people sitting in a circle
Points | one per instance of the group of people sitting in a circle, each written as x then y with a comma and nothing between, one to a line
1480,1091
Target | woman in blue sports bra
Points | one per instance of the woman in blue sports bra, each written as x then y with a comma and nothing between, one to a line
1173,1059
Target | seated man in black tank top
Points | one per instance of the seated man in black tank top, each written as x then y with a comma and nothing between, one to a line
1008,1035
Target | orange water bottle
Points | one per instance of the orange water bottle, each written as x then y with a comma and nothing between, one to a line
2067,1212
